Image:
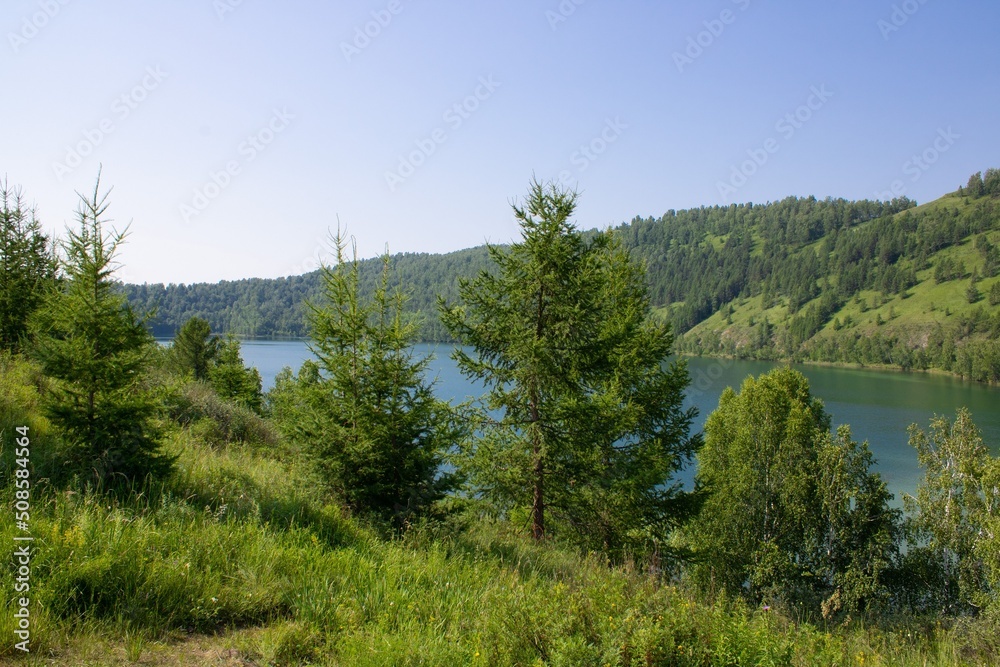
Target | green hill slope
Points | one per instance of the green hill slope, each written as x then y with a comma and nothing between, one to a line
916,289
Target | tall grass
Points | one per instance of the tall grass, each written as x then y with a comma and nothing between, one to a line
243,540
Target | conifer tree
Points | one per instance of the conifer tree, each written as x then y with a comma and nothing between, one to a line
194,348
88,339
590,428
27,266
364,410
232,379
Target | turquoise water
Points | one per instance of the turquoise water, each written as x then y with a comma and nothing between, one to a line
878,405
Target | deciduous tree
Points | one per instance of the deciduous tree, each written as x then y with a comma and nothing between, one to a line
793,515
956,513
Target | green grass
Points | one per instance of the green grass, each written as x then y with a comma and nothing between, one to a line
242,559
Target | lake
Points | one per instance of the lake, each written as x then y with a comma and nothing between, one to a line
879,405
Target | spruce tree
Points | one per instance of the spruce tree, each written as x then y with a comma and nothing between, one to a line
364,410
194,348
95,348
232,379
590,428
27,266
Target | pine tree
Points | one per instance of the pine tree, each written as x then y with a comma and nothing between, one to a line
364,410
972,293
27,266
195,348
591,428
232,379
88,339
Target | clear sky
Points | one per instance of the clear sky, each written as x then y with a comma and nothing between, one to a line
236,132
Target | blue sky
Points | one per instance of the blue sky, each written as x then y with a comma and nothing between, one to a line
236,132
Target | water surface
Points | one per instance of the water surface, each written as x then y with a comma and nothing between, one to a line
879,405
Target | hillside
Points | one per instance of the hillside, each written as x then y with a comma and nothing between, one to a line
875,283
242,558
917,289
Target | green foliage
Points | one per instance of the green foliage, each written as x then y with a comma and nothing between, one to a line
27,266
995,294
972,294
365,411
956,515
194,348
219,421
793,515
590,429
239,554
975,187
232,379
91,344
22,385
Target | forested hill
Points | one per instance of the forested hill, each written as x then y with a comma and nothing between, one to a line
827,280
275,308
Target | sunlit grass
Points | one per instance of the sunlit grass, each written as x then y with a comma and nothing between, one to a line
242,558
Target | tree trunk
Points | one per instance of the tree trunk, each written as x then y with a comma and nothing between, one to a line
538,501
538,504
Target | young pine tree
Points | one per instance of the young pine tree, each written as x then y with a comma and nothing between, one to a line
590,427
194,348
231,378
95,348
27,266
365,411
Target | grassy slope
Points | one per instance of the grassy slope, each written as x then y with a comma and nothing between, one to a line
910,318
241,560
